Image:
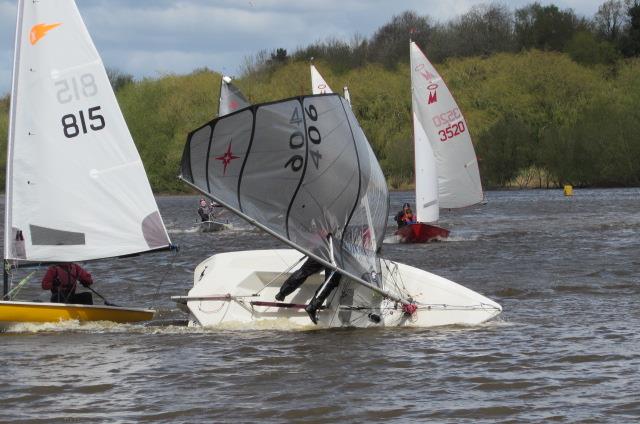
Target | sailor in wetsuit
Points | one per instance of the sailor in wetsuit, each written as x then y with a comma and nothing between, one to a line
295,280
203,210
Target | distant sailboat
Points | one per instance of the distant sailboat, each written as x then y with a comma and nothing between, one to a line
231,100
320,86
304,172
446,168
76,189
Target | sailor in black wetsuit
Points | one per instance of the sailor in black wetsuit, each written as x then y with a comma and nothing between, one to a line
203,210
295,280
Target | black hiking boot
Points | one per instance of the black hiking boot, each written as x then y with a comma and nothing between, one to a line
312,310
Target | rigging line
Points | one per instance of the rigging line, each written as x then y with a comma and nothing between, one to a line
278,276
164,276
392,276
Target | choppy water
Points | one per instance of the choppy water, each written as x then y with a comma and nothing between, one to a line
566,348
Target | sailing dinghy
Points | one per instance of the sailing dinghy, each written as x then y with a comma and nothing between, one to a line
320,86
231,99
303,171
76,189
446,167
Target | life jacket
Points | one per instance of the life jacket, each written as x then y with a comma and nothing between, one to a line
408,218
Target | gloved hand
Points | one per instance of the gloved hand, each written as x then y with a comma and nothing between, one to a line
56,283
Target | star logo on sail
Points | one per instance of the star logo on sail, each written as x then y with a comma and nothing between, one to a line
38,31
226,158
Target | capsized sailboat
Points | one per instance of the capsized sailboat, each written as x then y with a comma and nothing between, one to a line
76,189
304,172
447,174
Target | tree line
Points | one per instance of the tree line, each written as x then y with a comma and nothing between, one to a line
550,97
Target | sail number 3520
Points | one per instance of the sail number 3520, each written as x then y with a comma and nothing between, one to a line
452,130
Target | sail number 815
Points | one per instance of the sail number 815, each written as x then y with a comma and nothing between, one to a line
73,125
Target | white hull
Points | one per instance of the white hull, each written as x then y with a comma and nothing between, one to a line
229,287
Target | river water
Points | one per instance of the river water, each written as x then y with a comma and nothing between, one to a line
565,349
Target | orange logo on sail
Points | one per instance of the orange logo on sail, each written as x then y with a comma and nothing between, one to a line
38,31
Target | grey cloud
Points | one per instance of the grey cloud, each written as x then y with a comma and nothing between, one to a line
147,37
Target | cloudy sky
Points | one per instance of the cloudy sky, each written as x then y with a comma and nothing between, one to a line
152,37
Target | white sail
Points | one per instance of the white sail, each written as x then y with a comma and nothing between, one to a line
231,99
427,209
76,187
456,164
318,84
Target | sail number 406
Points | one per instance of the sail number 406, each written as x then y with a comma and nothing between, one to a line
452,131
296,140
73,125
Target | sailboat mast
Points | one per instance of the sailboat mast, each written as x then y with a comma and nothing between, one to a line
5,287
10,139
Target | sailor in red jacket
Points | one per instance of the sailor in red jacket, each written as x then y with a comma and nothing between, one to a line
62,280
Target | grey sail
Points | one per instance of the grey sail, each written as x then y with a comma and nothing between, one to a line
301,169
231,99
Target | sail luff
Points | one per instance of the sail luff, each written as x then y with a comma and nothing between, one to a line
11,132
300,249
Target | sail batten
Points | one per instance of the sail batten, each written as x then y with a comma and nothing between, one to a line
301,169
76,187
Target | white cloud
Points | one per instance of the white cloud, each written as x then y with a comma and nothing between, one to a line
147,37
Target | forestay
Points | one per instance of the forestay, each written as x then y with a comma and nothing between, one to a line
76,187
446,129
303,170
231,99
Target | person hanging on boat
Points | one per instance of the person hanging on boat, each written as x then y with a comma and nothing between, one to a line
203,210
62,279
405,216
295,280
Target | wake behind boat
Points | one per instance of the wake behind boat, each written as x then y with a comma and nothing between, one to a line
305,173
76,189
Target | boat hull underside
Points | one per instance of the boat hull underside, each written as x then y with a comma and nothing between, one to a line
12,313
237,290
